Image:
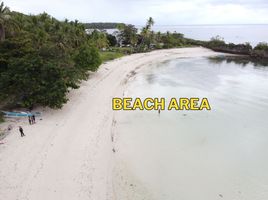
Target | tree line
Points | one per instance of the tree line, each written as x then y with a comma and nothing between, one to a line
101,25
42,58
127,35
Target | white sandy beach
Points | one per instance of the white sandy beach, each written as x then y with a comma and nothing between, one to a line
68,155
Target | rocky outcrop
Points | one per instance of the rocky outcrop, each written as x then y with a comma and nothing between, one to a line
241,49
259,54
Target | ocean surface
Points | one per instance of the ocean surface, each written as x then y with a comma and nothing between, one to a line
190,155
230,33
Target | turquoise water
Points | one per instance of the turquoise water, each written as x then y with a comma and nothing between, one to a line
204,155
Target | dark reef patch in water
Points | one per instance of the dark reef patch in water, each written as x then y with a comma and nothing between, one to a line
240,60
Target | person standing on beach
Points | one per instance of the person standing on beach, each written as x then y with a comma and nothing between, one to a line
30,120
21,131
33,119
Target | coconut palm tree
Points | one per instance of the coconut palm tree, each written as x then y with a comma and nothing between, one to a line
4,17
146,32
150,23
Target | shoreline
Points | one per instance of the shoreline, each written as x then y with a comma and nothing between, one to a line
69,153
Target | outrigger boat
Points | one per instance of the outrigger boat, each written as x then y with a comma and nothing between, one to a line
20,114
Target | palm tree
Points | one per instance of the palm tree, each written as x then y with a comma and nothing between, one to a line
146,32
4,17
150,23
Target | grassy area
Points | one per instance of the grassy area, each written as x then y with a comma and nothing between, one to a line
107,55
124,50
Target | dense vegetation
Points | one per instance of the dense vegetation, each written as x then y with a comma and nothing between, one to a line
101,25
262,46
42,58
1,119
131,40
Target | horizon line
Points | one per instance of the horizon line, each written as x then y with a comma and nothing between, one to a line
239,24
205,24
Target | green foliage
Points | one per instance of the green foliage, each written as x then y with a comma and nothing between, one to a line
43,59
130,41
216,42
33,76
99,39
123,50
107,25
260,52
87,58
4,20
262,46
112,40
106,56
127,34
147,35
171,40
1,119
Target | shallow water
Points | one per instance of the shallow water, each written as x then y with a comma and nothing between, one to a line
204,155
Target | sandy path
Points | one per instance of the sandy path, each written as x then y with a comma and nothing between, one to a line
68,155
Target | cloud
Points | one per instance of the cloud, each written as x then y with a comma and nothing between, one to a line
163,11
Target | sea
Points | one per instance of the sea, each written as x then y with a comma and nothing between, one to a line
190,155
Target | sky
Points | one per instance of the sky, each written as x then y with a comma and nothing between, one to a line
164,12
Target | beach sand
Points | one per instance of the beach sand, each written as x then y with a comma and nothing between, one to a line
69,154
